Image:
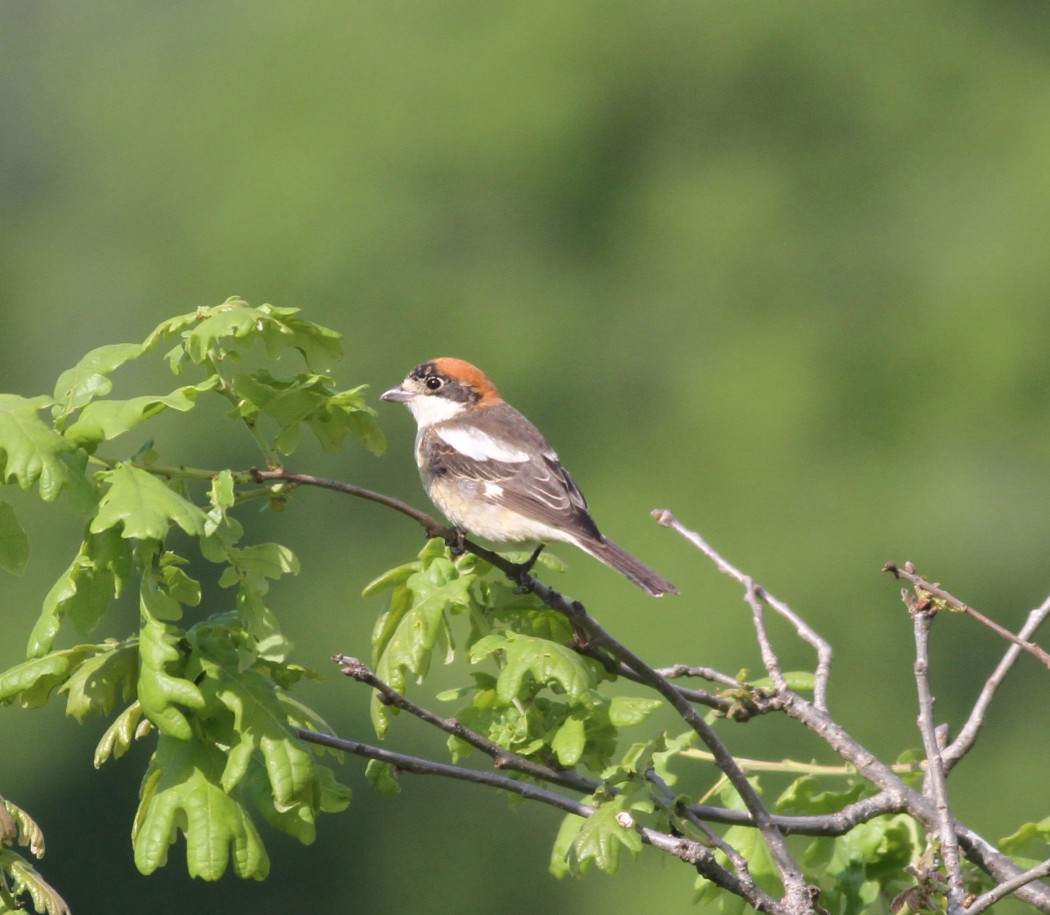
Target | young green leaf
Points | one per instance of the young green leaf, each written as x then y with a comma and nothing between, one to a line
34,454
569,741
298,821
602,838
380,776
85,590
181,793
549,664
405,635
118,737
89,378
19,879
144,506
259,725
1031,840
806,796
567,833
216,331
160,690
626,711
310,401
97,683
32,682
102,420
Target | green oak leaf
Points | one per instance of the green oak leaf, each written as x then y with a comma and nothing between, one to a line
128,726
98,681
406,634
162,693
182,793
32,682
102,420
602,839
89,378
34,454
85,590
548,663
144,506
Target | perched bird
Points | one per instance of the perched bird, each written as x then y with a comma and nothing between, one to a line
493,474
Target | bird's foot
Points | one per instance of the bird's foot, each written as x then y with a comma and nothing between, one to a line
456,541
523,569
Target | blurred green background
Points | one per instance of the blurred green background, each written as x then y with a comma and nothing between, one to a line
779,267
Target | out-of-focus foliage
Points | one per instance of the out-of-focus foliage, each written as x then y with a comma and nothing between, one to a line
776,266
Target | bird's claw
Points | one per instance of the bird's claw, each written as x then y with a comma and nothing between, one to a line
456,542
523,569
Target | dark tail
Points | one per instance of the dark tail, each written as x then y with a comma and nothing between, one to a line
618,558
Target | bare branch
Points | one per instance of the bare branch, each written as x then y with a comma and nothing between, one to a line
418,765
704,673
731,708
279,475
1004,889
968,735
936,783
894,795
691,852
502,758
790,874
769,657
803,629
929,591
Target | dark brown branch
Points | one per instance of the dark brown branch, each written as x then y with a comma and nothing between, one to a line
432,526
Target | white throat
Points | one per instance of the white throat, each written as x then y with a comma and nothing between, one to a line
430,410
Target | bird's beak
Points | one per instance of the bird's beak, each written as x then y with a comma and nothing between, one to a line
397,395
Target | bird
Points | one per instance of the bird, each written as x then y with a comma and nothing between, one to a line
492,473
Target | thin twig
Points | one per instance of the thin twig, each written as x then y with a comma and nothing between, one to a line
790,874
279,475
405,763
822,674
936,783
895,794
934,591
1004,889
796,767
687,850
704,673
765,645
731,708
671,805
968,734
502,758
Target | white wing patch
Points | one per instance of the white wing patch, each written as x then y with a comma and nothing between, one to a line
480,445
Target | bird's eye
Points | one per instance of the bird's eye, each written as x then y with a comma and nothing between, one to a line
434,383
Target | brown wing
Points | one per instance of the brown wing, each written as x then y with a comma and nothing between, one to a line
538,487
